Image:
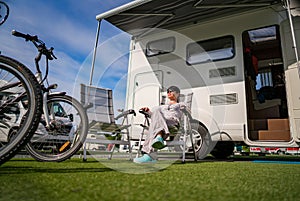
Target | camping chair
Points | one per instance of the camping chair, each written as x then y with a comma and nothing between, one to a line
180,135
104,133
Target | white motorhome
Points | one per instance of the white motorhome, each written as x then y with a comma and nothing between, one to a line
239,58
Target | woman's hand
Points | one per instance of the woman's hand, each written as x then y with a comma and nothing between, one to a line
182,106
146,109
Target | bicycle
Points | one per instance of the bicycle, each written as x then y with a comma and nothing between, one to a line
63,126
18,89
4,12
20,102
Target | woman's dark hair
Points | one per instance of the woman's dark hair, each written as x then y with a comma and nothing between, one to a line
173,88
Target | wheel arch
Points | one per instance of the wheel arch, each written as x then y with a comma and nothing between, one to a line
207,121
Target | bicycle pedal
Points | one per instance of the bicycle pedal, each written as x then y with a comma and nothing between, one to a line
65,146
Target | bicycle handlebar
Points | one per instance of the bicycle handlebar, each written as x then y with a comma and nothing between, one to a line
42,49
27,37
37,42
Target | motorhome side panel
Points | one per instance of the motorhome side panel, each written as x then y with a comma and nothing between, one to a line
219,87
232,118
143,86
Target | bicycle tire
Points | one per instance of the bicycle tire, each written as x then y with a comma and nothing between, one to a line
18,121
4,17
61,141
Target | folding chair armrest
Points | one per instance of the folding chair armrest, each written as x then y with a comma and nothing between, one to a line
125,113
88,106
187,112
147,115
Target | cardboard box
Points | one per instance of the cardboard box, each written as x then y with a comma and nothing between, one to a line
274,135
278,124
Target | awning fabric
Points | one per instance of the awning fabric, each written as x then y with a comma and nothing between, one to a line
172,14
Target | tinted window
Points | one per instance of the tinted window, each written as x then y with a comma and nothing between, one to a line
263,34
210,50
161,46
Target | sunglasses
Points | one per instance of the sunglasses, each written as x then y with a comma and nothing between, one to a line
170,91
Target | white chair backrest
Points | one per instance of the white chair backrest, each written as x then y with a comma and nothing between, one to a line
186,98
102,103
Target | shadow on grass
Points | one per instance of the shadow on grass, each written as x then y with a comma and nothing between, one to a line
30,166
29,169
27,166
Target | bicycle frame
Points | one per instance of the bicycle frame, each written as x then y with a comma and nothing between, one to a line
12,101
48,53
63,126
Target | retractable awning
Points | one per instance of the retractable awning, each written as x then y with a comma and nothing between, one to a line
172,14
139,15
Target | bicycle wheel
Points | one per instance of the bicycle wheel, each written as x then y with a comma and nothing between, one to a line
4,12
20,106
66,134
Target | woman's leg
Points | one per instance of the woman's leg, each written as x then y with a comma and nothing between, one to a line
157,126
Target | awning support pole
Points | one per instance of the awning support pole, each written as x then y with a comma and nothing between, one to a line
95,53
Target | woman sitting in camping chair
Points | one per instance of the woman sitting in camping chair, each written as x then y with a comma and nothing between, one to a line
163,119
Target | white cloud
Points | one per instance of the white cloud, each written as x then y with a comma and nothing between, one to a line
70,28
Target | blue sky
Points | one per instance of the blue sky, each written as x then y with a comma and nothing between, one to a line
70,27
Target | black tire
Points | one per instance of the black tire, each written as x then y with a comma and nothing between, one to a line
223,149
4,12
201,139
60,141
20,118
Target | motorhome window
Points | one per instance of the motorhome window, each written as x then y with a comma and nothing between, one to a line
210,50
161,46
263,34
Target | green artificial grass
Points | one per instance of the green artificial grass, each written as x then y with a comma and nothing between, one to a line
74,180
